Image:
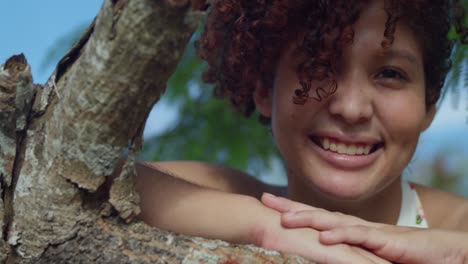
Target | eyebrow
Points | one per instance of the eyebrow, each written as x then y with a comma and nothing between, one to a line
402,54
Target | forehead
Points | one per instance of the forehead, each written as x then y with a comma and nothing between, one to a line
373,24
368,36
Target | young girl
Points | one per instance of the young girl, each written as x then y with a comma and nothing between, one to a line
347,87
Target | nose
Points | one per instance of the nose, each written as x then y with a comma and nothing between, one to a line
352,101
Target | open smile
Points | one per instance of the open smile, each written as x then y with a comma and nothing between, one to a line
352,149
346,155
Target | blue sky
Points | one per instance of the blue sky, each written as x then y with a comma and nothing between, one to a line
32,27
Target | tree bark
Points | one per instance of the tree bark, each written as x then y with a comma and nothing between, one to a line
59,141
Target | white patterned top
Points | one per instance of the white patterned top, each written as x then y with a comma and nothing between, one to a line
411,212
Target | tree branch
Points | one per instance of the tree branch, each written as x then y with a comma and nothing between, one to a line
80,125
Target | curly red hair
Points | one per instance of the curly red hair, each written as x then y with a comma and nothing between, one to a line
243,40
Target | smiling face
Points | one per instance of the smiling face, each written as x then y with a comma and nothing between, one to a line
355,143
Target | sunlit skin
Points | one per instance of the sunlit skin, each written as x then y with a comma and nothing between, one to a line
345,153
380,101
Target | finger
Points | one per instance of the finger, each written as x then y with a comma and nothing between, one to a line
367,237
321,220
336,254
347,254
283,205
388,245
304,242
370,256
318,220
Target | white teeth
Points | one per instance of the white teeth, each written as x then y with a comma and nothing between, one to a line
360,151
367,150
342,148
351,150
326,143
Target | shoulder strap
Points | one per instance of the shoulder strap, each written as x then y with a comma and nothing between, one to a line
411,211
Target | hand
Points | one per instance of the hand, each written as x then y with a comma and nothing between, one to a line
404,245
296,214
305,242
393,243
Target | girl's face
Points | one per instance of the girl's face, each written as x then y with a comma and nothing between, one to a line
357,141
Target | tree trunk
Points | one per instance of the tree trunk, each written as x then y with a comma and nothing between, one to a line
59,142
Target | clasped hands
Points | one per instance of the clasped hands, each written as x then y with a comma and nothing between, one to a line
331,237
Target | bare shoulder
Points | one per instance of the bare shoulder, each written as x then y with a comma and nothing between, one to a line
443,209
215,176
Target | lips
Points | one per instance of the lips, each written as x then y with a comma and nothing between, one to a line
345,148
345,154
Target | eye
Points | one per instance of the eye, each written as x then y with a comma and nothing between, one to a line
390,73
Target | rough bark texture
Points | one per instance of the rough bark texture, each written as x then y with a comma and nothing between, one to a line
59,142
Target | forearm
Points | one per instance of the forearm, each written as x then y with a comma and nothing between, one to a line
214,176
462,244
173,204
445,246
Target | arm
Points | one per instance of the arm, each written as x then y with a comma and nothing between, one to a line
215,176
174,204
171,203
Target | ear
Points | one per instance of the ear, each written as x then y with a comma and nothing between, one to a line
430,113
263,99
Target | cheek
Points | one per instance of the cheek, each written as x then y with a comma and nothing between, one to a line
403,117
288,122
284,110
284,115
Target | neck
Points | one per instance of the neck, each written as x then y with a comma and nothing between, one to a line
383,207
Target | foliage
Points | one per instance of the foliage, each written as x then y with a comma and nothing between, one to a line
209,128
458,75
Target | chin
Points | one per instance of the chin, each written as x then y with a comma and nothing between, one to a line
344,192
344,186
